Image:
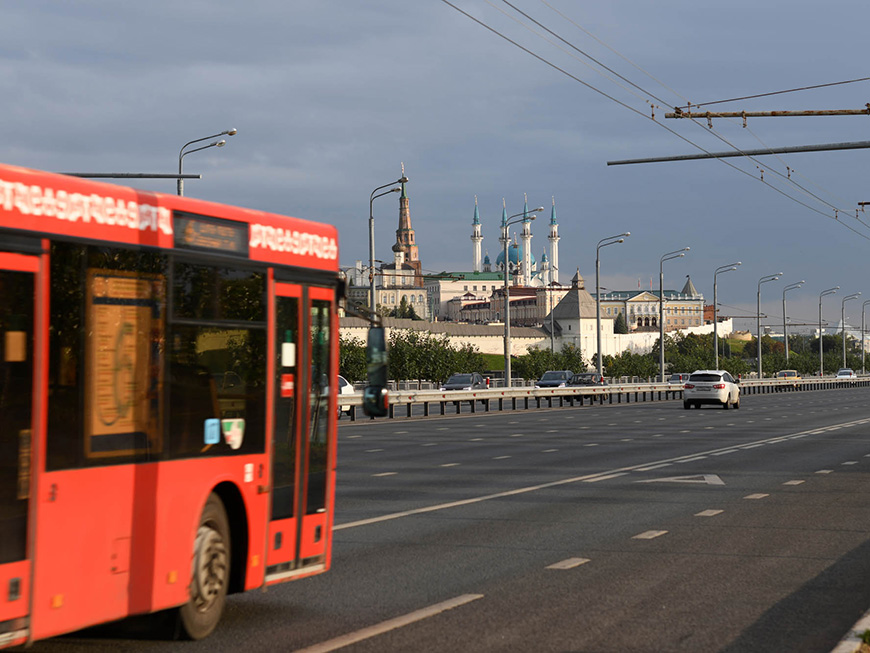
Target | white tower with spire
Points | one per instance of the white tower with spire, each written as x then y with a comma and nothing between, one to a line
526,271
553,237
476,237
504,235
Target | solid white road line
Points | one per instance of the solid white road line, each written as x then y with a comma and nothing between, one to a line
551,484
390,624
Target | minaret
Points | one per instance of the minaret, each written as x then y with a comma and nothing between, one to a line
405,235
526,272
476,237
503,239
545,269
554,246
487,265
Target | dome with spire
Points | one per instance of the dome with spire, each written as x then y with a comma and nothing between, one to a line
515,253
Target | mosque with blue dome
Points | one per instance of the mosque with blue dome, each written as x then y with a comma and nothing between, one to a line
521,262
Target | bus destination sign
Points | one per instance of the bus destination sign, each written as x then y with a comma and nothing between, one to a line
213,234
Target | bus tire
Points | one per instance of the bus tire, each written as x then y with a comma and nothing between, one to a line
210,572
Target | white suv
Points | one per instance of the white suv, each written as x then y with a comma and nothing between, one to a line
711,387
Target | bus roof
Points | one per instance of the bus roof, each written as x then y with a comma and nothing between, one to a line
46,204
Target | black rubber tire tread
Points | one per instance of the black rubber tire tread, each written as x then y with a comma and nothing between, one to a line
195,623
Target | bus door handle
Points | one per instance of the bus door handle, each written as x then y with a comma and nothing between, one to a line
262,489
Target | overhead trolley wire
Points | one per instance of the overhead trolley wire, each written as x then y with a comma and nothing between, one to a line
665,127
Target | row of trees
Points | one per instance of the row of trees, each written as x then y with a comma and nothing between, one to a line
418,355
413,355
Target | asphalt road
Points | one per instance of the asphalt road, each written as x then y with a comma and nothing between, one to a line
640,527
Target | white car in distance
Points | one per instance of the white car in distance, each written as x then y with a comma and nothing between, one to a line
711,387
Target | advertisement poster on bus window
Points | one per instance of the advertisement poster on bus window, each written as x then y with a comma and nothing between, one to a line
123,374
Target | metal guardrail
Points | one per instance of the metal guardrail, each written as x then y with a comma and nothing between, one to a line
452,402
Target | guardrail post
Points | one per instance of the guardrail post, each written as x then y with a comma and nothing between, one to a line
425,409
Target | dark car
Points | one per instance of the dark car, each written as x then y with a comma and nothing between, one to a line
555,379
588,378
472,381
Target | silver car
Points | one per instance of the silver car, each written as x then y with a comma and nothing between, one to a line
711,387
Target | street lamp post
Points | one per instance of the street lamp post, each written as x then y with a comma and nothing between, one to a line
604,242
182,153
784,319
525,215
843,321
863,306
724,268
374,195
829,291
766,279
679,253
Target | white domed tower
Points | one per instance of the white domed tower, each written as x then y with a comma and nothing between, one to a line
553,237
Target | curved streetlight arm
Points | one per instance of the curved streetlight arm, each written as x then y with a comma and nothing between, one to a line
401,180
615,239
727,268
228,132
197,149
677,253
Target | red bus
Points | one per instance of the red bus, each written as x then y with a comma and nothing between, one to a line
167,433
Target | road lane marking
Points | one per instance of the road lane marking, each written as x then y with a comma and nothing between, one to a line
400,432
501,457
390,624
353,437
850,462
570,563
450,465
386,474
705,479
591,444
648,535
754,446
476,440
756,496
549,451
649,469
429,444
443,428
517,435
542,486
604,478
373,450
691,460
709,513
725,453
793,482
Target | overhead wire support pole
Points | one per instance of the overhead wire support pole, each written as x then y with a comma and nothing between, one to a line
823,147
679,113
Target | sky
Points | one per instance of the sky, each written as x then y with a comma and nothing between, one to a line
331,97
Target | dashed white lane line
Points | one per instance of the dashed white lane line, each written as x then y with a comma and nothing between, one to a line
353,437
400,432
591,444
429,444
386,474
549,451
709,513
825,471
443,428
390,624
517,435
648,535
850,462
691,460
570,563
756,496
373,450
476,440
501,457
793,482
724,453
450,465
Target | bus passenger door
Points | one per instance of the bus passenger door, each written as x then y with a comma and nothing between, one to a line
302,445
17,300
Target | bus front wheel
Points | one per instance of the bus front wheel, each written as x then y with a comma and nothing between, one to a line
210,572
